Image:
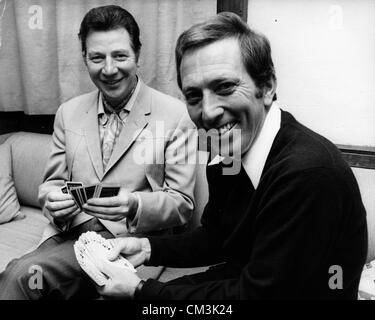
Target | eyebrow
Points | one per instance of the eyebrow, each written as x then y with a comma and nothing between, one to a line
213,83
125,51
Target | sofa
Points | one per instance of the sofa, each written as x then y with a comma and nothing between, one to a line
29,152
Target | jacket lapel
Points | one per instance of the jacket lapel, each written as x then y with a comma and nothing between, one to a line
91,131
134,124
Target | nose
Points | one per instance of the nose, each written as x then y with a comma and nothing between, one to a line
109,68
212,110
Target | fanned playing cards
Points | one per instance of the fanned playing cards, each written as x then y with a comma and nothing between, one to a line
90,250
81,194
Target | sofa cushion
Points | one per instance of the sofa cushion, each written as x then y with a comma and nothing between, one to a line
29,149
9,206
18,237
173,273
4,137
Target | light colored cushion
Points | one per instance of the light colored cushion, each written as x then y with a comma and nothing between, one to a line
149,272
174,273
4,137
30,152
21,236
9,206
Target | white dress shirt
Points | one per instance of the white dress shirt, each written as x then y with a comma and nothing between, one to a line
253,161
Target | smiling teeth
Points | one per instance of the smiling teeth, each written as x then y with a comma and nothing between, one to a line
226,128
112,82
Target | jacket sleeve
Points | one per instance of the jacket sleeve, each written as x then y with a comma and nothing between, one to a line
301,219
171,204
56,172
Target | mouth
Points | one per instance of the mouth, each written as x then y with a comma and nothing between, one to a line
111,82
226,128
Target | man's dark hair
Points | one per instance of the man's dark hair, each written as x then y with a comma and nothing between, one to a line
108,18
255,48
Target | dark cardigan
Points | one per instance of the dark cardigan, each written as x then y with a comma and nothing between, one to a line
300,233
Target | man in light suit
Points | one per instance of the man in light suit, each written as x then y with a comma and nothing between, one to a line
124,134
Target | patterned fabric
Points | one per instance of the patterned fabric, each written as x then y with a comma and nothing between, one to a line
112,123
113,128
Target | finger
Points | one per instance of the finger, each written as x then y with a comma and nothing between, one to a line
102,290
60,215
105,216
114,214
105,202
60,205
63,212
120,246
106,289
73,214
101,210
107,267
58,196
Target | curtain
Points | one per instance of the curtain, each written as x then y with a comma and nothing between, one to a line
40,56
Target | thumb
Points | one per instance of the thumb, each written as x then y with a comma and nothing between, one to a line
118,247
105,267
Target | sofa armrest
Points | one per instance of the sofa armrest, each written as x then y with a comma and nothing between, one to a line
30,152
4,137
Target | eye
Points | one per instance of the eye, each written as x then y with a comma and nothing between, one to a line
96,59
121,57
193,97
225,88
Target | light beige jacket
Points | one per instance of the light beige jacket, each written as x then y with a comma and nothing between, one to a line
154,156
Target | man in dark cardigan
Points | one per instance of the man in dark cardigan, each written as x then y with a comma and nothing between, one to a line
290,224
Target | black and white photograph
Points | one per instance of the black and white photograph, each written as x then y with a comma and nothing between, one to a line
205,152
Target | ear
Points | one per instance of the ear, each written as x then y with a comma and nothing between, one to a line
269,92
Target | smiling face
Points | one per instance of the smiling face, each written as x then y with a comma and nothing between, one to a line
111,63
221,96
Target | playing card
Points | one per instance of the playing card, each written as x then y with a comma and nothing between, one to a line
98,188
88,265
92,250
64,190
83,194
70,184
109,192
76,197
90,192
121,260
103,247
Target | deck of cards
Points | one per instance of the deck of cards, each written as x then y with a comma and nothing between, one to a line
81,194
91,249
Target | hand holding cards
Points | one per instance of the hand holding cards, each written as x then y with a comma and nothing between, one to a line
81,194
91,251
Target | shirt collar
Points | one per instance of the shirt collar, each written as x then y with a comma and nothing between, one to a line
128,107
254,160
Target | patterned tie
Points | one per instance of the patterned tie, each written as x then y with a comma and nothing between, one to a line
111,132
113,126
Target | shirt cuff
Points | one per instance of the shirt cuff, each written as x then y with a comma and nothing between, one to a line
132,223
